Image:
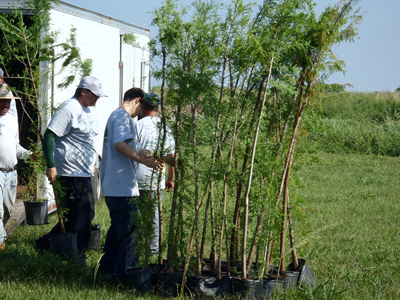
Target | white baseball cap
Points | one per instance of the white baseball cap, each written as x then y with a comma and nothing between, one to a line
92,84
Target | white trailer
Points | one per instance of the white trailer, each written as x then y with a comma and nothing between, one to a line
118,65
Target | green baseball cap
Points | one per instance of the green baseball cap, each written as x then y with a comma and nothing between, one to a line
152,99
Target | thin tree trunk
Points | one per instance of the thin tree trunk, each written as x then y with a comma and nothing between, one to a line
205,221
171,245
236,215
292,245
213,254
246,204
284,218
60,218
196,191
161,228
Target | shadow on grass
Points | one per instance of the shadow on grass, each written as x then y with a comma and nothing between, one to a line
20,262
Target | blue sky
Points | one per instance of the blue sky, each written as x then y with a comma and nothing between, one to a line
372,61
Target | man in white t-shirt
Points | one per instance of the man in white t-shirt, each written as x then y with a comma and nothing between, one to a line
68,147
118,180
10,150
149,135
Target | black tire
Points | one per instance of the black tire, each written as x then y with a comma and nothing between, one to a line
96,183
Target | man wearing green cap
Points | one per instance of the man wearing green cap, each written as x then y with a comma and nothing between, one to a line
149,134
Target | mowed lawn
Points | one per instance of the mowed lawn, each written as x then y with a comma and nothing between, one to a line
352,232
349,238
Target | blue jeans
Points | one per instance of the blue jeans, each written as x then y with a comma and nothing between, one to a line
8,193
121,253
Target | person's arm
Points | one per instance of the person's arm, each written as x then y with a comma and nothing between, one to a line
127,151
169,184
48,149
169,159
22,153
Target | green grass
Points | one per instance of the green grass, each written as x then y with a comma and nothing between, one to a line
362,123
376,107
349,239
352,236
27,274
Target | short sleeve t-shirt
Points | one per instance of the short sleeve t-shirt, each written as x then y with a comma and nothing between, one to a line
148,135
9,141
118,171
75,129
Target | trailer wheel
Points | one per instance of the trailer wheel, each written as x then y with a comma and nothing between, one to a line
96,183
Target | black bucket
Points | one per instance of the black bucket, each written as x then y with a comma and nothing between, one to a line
64,244
142,279
290,278
305,278
156,268
95,237
169,283
36,213
256,289
208,286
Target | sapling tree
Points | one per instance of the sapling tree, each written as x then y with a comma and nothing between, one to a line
170,27
245,78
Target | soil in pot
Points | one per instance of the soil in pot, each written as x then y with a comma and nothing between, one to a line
64,244
36,213
169,283
95,237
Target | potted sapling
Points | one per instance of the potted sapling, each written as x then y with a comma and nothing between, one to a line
36,206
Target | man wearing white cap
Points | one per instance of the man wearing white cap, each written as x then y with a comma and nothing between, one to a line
13,108
69,151
10,150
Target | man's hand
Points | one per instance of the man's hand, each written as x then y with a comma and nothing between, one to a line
146,153
154,163
150,161
51,174
169,159
169,185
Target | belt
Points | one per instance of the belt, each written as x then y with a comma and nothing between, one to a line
8,170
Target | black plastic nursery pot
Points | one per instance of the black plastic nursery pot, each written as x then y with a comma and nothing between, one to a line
64,244
36,213
305,278
95,237
142,280
208,286
169,283
289,278
256,289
